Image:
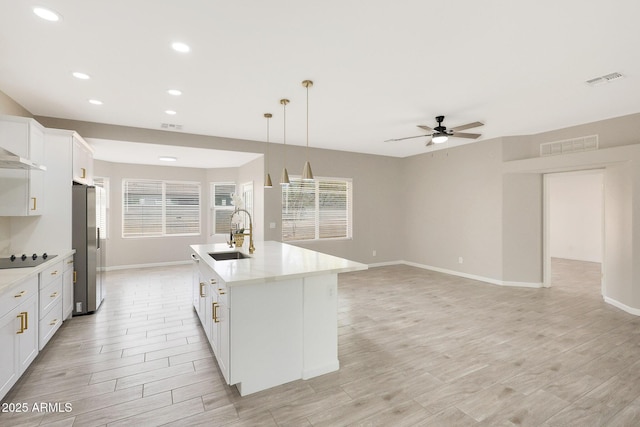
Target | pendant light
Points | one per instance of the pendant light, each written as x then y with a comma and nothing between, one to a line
267,178
307,174
284,178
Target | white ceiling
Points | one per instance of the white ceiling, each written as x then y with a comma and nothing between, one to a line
149,154
379,67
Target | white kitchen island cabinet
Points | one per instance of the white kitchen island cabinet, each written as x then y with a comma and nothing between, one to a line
274,314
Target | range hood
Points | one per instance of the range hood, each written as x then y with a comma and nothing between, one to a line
9,160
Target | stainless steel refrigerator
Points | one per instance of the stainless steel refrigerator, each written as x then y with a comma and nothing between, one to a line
89,243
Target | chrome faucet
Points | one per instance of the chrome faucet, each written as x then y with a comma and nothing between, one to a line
231,238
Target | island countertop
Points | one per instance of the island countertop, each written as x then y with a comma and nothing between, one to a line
272,261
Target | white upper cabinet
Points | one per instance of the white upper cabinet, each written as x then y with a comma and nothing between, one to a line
82,161
22,190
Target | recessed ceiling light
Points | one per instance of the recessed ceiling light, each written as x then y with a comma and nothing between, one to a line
95,102
167,158
81,76
170,112
174,92
46,14
180,47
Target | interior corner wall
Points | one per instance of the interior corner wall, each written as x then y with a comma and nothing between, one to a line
619,235
122,252
378,205
452,217
12,108
522,228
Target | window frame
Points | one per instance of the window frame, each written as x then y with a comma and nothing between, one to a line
213,208
317,211
163,206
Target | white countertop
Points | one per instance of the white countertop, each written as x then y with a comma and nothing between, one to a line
272,261
13,276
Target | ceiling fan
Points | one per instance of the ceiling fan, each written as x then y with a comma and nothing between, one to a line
440,133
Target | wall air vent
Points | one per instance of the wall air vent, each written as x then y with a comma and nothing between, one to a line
171,126
604,79
584,143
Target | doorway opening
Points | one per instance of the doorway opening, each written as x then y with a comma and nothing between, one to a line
574,231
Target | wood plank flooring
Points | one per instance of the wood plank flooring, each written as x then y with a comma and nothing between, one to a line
417,348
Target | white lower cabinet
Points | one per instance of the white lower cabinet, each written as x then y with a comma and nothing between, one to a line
268,333
220,324
67,287
18,332
50,306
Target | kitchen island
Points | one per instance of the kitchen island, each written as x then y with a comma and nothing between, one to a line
272,316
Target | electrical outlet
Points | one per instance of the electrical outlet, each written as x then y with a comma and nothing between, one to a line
272,225
374,252
460,260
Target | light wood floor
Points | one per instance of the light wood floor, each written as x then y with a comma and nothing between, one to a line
416,348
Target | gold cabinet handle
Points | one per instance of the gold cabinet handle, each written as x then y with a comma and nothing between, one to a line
19,294
35,203
84,173
213,281
54,273
70,262
215,312
221,291
75,276
23,322
26,320
202,290
53,322
53,295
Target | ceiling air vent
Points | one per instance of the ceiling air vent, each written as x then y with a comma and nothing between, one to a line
171,126
584,143
604,79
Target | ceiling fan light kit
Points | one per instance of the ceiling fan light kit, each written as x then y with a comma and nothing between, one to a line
440,133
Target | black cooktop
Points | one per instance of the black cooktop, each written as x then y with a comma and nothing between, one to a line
23,260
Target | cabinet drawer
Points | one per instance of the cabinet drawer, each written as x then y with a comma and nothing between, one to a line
50,274
67,264
49,324
50,296
10,298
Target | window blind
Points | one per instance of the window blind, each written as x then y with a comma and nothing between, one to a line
154,208
221,206
316,210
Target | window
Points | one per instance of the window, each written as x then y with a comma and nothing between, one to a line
221,207
102,205
153,208
316,210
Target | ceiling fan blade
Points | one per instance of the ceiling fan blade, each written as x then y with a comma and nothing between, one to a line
408,137
467,126
425,127
430,143
466,135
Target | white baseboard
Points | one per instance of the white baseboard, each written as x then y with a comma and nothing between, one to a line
621,306
385,264
465,275
157,264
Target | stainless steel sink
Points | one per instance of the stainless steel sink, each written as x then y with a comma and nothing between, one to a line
227,256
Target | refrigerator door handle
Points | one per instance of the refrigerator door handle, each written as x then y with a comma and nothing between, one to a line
98,241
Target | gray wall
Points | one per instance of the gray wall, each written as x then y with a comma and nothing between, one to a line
143,251
378,209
